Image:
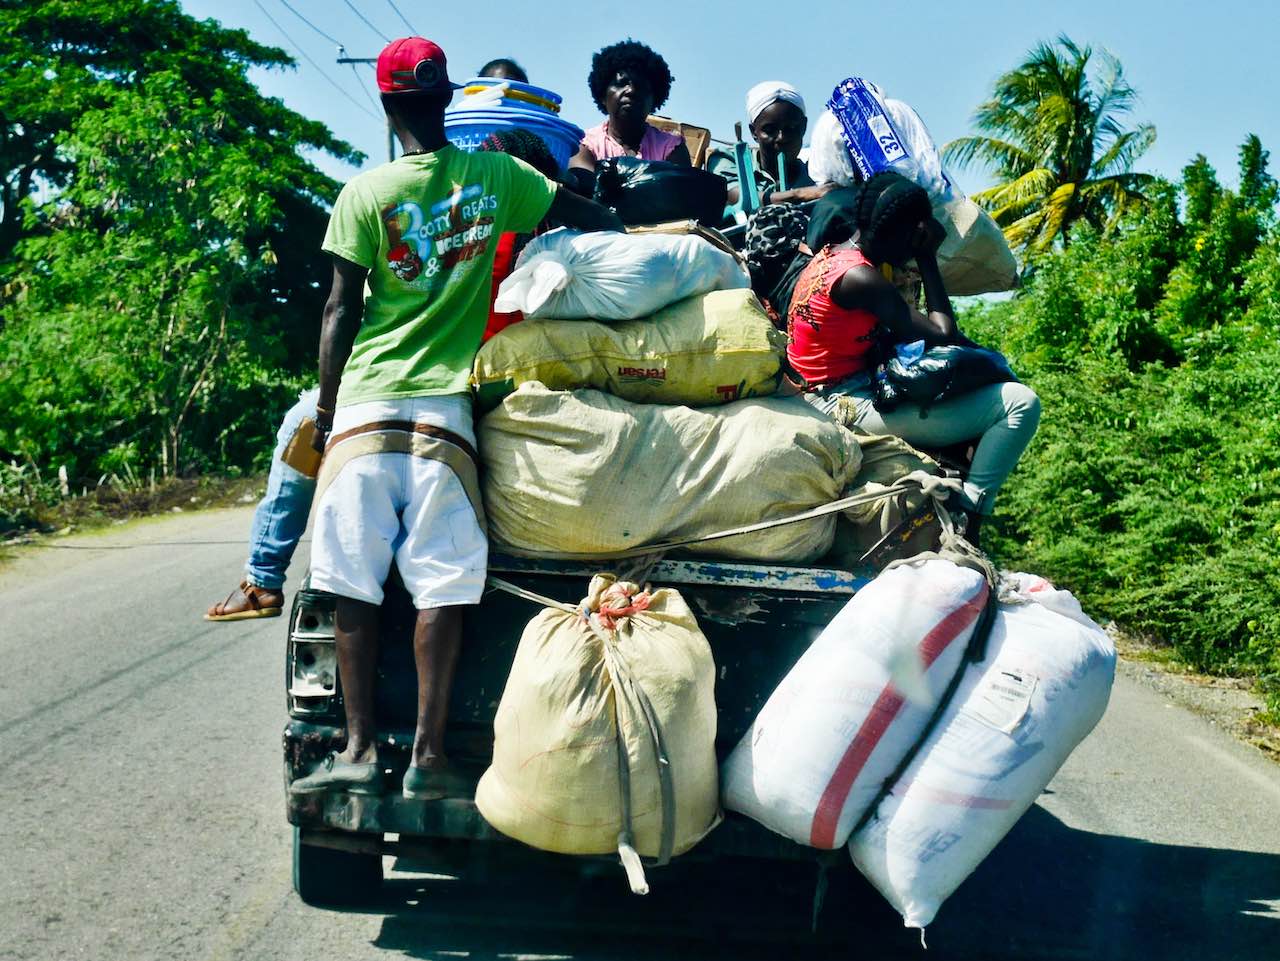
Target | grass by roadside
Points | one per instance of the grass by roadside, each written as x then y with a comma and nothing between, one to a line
111,504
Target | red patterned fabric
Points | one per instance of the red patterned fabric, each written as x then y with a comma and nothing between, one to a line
825,342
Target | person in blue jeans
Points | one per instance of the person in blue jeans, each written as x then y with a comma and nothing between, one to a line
278,525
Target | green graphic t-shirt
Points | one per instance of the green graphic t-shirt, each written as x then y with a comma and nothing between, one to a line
426,226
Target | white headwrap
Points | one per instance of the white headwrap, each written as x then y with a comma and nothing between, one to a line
770,92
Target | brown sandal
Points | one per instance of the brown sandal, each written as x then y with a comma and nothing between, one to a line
253,602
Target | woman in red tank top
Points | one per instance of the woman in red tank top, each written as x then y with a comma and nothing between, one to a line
828,343
841,303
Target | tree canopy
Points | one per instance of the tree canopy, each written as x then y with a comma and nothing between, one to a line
1053,132
172,279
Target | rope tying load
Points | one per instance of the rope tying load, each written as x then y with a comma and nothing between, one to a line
617,603
637,722
934,486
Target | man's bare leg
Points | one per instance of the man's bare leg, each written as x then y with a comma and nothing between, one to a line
437,637
356,769
356,640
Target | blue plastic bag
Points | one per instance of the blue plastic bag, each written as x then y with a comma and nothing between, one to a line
873,141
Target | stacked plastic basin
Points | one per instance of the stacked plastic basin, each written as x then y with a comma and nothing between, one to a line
520,106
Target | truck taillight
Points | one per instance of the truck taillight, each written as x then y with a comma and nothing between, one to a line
312,663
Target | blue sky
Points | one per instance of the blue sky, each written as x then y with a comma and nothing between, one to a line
1206,72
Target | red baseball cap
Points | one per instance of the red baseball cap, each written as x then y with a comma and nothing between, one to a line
413,65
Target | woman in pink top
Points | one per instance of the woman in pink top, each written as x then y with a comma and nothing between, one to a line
628,82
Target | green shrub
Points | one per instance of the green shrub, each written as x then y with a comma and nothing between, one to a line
1153,487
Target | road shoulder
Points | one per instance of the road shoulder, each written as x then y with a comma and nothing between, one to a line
1229,703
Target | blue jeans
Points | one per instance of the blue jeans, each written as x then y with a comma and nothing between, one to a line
281,517
1001,417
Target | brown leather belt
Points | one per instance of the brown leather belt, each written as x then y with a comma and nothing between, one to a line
409,426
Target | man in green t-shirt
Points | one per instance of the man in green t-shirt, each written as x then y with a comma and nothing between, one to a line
413,244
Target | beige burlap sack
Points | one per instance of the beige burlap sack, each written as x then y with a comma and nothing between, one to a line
577,690
867,527
703,350
587,473
974,258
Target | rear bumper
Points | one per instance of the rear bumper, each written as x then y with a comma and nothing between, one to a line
458,819
757,619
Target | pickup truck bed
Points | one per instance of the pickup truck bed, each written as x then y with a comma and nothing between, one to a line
757,619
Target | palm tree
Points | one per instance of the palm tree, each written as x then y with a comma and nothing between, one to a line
1056,140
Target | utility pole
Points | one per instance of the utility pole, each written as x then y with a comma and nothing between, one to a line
391,133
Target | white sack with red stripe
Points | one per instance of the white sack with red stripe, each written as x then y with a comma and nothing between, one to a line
853,705
1016,716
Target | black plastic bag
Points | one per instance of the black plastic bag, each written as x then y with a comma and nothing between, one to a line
938,375
657,191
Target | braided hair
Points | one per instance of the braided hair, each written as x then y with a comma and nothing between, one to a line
888,207
523,145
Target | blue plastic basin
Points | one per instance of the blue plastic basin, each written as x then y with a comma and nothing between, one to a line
466,129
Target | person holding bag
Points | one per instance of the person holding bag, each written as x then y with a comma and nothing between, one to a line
844,308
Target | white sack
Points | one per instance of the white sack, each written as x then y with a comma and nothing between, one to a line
840,721
1014,720
570,275
829,160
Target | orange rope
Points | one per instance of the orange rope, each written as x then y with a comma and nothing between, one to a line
610,616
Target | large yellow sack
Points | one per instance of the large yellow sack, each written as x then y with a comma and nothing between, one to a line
587,473
555,782
708,349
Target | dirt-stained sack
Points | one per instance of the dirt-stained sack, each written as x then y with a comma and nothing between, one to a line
703,350
890,528
1015,718
843,718
578,692
584,472
974,257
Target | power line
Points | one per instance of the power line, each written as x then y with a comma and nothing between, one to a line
411,27
306,56
391,136
366,22
363,89
195,79
288,6
202,84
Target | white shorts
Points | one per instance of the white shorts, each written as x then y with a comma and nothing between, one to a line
411,509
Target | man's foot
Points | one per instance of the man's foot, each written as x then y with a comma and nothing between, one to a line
434,783
247,601
335,774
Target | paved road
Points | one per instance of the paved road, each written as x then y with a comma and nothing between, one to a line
143,817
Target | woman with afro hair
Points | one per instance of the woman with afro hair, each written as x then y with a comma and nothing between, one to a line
628,82
841,305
